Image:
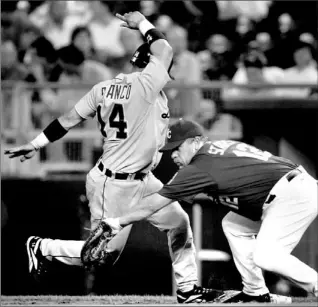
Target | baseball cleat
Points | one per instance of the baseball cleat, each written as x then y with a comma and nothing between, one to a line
241,297
198,295
37,266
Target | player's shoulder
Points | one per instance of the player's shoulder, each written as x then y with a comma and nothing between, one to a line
126,78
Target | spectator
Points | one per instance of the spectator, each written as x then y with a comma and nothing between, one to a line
244,33
253,70
186,68
82,39
150,9
105,31
265,45
54,18
78,69
284,39
217,61
163,23
41,57
27,36
255,10
11,69
13,24
308,38
304,72
130,41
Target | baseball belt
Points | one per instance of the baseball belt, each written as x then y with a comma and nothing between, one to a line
292,174
120,176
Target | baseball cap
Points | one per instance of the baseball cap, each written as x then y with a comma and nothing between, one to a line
180,131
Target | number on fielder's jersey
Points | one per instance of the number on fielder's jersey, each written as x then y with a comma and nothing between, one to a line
244,150
119,123
238,149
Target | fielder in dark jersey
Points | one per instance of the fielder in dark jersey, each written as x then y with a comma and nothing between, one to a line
272,202
235,174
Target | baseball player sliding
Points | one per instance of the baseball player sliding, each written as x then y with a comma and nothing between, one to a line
132,113
272,202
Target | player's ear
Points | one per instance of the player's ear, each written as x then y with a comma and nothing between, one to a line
196,142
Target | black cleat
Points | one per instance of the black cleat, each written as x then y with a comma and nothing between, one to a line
37,262
241,297
198,295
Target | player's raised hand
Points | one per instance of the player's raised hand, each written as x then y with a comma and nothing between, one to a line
26,152
131,19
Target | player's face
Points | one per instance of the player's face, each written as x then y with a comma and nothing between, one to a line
184,153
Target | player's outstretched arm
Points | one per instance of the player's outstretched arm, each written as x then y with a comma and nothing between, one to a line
53,132
147,207
159,46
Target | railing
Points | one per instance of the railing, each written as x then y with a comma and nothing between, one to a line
18,126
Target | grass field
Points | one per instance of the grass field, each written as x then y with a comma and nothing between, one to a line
122,300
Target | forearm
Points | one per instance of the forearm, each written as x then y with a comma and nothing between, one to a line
159,46
57,129
147,207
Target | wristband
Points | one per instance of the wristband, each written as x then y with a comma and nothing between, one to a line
152,35
40,141
54,131
145,26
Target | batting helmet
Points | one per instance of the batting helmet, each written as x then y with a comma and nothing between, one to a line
141,56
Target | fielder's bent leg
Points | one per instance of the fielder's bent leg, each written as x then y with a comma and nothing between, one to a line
240,233
285,220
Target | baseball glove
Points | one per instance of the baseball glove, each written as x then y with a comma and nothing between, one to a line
93,253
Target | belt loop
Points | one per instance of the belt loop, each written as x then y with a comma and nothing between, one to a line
131,176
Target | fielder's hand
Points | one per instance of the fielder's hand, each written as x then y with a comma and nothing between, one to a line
132,19
26,152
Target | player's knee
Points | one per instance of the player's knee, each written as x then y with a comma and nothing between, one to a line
262,259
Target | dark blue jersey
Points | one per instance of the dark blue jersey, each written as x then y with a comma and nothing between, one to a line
235,174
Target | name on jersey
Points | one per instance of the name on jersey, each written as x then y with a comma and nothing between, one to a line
117,91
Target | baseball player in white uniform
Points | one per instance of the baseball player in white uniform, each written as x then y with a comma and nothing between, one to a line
133,118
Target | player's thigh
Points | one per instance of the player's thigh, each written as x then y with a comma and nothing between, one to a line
238,225
289,215
170,217
95,185
110,197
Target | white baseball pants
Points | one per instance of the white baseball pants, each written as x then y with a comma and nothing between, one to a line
268,244
112,198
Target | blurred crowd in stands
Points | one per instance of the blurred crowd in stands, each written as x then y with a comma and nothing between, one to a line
82,41
69,42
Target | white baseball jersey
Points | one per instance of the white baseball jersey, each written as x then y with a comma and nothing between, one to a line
132,111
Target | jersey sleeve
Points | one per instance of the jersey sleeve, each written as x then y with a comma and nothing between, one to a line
87,105
187,183
153,79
